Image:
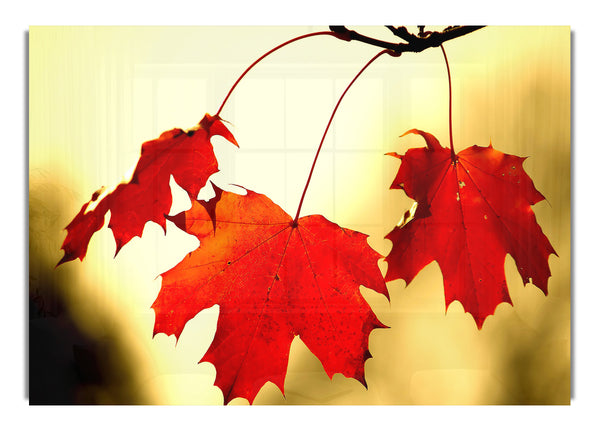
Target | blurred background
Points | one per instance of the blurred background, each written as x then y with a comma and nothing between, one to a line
97,93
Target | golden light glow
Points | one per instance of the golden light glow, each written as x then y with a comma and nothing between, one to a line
97,93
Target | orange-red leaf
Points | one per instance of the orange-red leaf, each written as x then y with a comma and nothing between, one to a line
470,213
187,155
272,281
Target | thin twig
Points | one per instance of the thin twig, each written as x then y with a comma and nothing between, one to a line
414,42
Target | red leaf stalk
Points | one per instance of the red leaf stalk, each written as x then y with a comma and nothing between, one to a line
304,36
385,51
452,152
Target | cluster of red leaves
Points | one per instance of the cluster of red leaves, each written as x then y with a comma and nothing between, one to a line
275,278
272,278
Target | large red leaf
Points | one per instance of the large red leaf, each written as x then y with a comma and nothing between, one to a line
187,155
272,281
470,213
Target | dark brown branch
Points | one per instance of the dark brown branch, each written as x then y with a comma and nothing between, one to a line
414,42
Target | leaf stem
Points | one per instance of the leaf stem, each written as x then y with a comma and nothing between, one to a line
452,152
258,60
385,51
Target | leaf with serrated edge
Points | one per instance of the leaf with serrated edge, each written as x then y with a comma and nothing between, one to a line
470,213
272,281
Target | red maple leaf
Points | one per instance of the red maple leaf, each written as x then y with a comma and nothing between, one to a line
272,280
187,155
472,209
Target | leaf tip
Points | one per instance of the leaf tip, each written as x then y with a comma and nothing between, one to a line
64,259
361,378
214,126
119,246
430,140
178,220
394,154
386,293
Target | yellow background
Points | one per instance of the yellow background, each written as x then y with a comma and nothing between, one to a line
97,93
